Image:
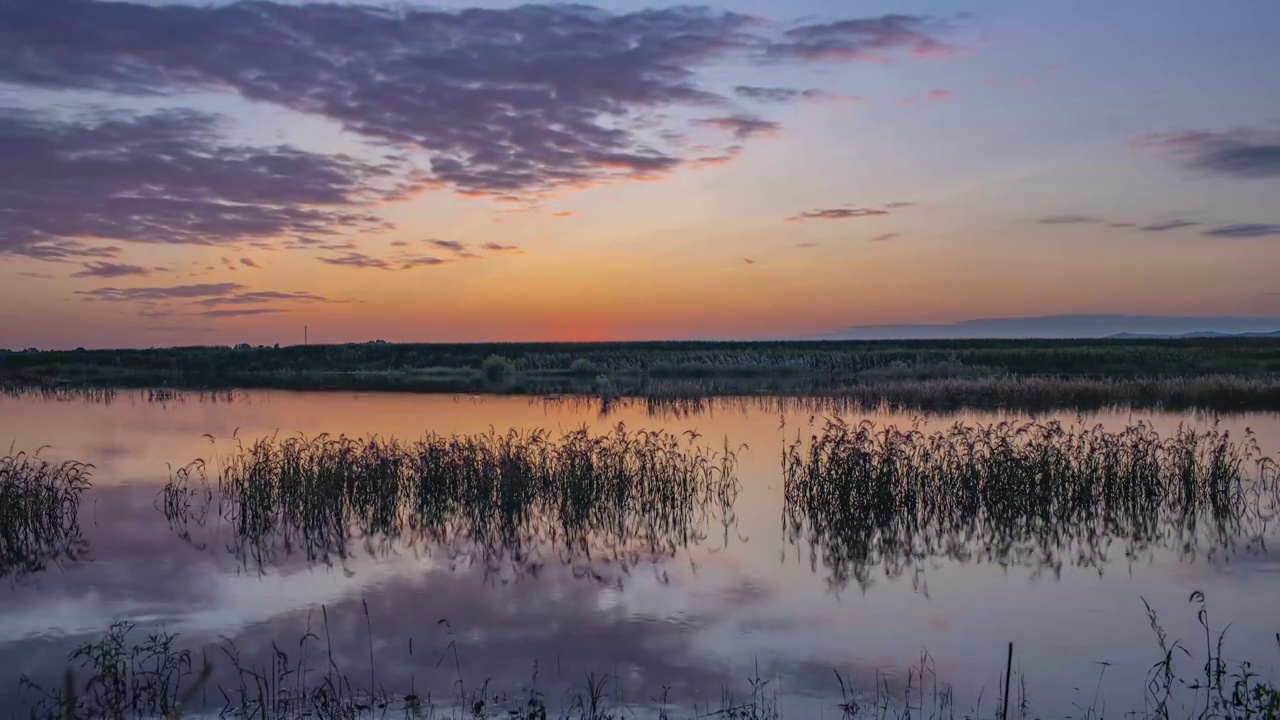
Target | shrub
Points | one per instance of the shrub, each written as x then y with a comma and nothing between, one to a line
582,367
497,368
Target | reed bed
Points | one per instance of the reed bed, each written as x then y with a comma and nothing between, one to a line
1041,494
39,513
500,499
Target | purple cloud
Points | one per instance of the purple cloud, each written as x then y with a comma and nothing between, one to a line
262,296
742,126
503,101
162,178
495,247
363,261
111,270
1070,220
864,39
242,312
837,214
1244,230
249,262
1165,226
1240,153
451,245
785,94
885,237
154,294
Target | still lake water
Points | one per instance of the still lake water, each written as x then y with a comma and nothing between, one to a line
742,600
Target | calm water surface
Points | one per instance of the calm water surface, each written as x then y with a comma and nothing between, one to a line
744,597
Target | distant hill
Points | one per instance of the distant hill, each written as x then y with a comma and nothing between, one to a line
1192,335
1068,326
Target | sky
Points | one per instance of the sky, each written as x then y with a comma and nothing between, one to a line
210,173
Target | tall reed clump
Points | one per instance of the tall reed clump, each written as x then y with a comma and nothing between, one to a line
499,498
39,513
1035,493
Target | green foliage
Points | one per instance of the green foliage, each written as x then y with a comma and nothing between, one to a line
497,368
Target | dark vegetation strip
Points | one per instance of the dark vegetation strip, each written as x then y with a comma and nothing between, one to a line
1234,373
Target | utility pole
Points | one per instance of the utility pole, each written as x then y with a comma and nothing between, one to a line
304,335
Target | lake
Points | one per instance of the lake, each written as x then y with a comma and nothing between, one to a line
737,591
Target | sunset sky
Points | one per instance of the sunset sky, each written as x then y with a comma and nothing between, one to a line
183,173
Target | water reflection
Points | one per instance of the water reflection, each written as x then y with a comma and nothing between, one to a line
697,621
863,497
39,513
503,501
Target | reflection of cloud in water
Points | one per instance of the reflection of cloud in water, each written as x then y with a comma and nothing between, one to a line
558,624
706,625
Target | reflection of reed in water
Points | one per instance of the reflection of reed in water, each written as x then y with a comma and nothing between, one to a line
39,513
1034,494
491,498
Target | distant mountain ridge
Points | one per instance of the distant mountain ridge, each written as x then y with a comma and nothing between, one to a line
1068,326
1192,335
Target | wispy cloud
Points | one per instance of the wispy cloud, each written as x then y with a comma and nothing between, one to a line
896,205
450,245
885,237
742,126
837,214
112,270
1244,230
1166,225
1070,220
364,261
263,296
180,328
749,261
1240,153
939,94
249,262
152,294
807,245
499,248
864,39
209,300
785,94
239,312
